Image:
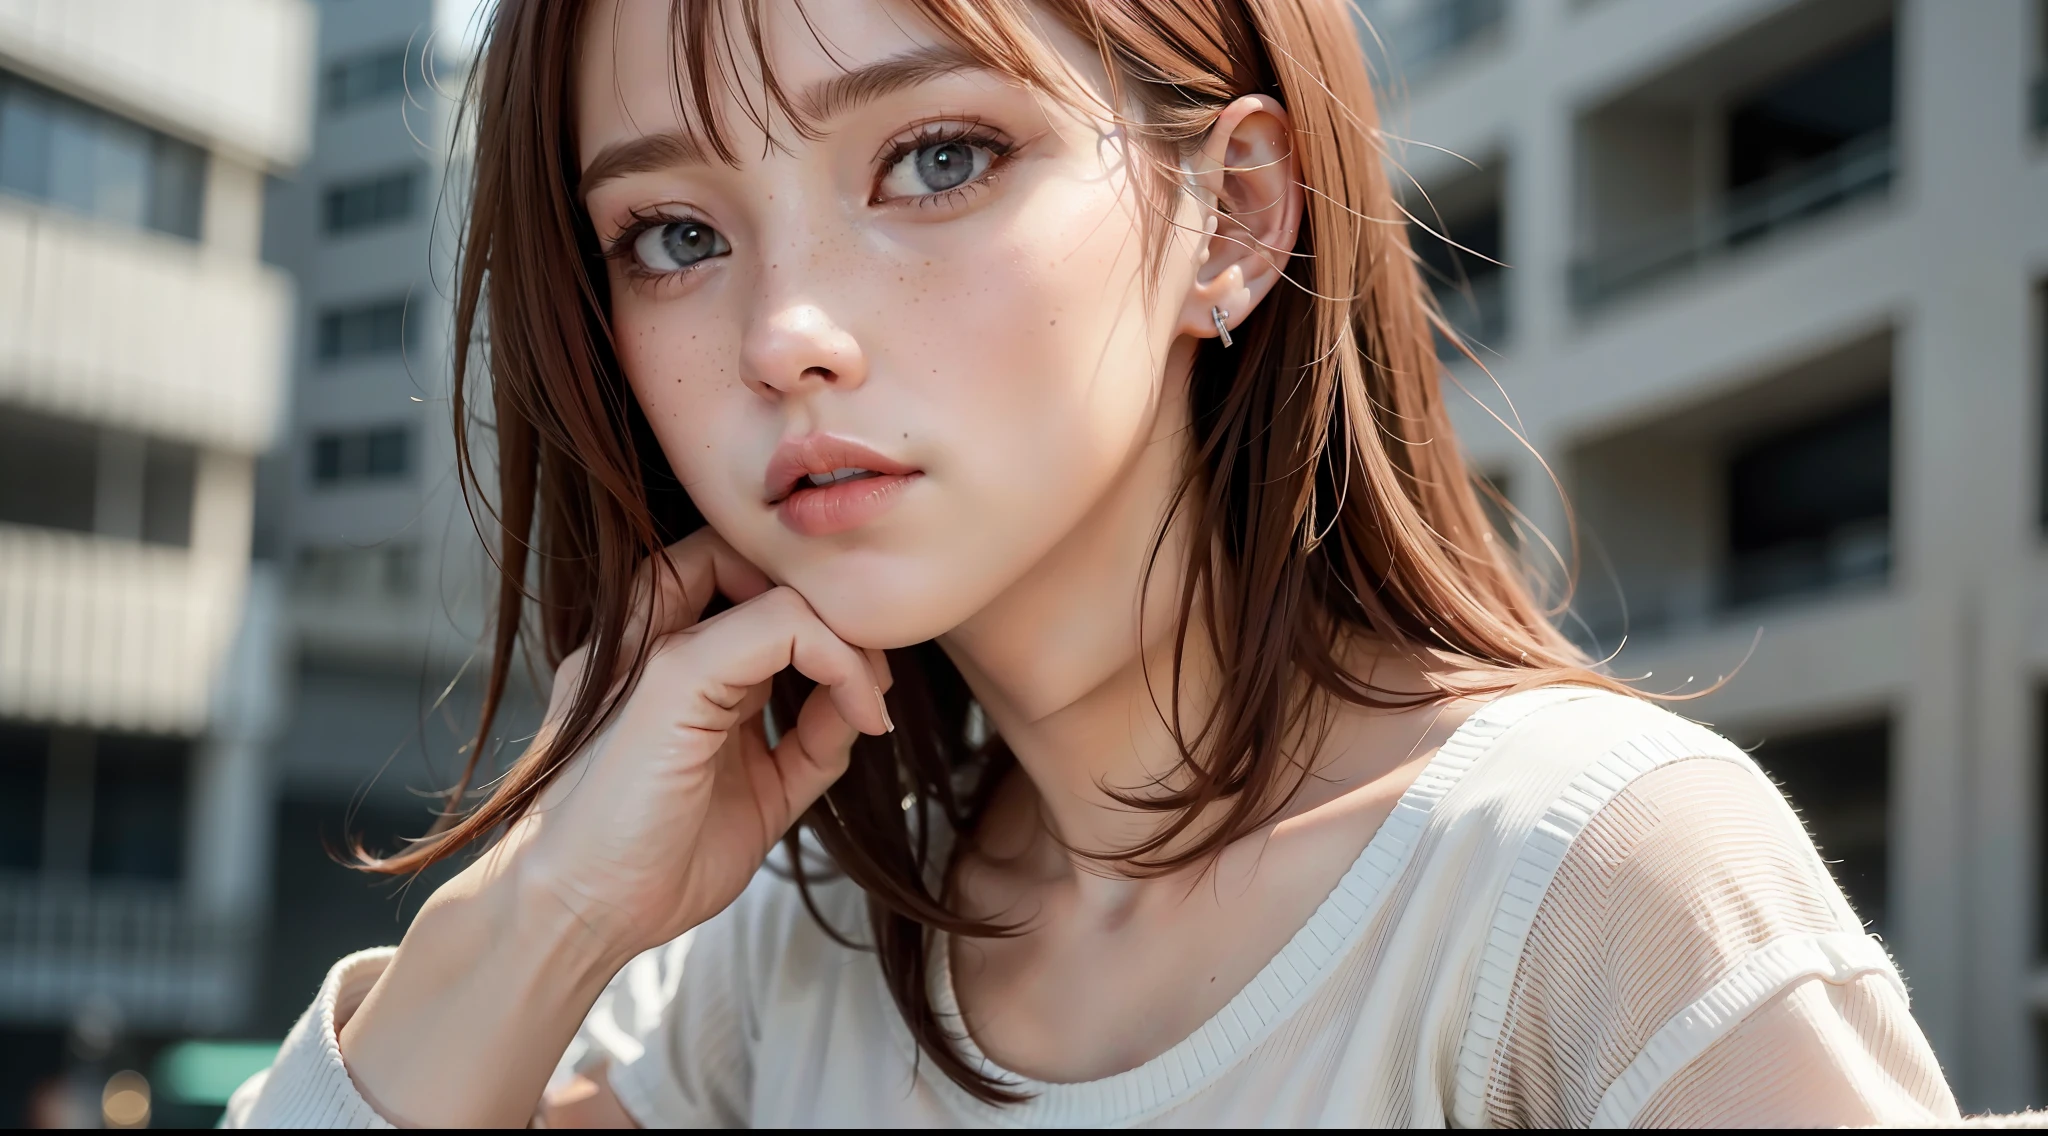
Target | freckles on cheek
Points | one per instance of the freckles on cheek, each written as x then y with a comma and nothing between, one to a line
683,385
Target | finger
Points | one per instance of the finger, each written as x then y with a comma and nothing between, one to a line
671,590
812,756
878,662
753,642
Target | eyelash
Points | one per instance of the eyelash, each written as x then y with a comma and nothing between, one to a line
938,134
619,250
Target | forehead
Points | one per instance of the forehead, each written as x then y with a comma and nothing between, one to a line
634,66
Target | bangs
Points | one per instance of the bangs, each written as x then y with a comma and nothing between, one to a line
722,59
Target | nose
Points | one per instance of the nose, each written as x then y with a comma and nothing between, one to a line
797,348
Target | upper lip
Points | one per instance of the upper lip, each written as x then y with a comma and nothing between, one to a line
798,458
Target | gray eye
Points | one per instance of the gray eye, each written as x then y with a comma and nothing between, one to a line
935,168
945,165
678,245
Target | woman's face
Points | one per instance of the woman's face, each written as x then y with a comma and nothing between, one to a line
941,301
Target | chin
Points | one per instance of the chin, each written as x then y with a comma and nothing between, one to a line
882,606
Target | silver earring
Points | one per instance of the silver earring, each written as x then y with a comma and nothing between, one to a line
1222,319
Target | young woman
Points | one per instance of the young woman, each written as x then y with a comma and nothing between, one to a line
993,449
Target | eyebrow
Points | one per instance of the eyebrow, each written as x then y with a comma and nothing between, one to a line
819,102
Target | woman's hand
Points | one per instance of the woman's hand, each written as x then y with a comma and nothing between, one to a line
650,829
663,818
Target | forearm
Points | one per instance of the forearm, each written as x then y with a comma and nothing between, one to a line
466,1024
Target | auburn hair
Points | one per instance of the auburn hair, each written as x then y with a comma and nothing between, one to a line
1325,499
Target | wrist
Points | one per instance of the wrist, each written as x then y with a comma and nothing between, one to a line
519,927
468,1020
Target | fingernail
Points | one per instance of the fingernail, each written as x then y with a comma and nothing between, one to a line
884,704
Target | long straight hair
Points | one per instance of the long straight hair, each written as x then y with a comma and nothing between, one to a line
1325,501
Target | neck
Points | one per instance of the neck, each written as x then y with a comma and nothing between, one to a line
1074,664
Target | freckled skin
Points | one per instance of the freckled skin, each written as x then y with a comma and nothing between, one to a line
921,314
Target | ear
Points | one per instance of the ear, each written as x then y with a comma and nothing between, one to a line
1245,176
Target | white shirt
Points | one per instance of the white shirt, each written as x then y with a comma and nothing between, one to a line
1585,911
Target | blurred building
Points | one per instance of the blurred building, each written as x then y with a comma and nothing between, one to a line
1761,280
143,358
361,504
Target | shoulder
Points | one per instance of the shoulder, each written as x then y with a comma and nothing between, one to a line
1530,769
1579,727
1612,794
1649,860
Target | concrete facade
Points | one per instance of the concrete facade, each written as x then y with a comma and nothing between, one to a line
143,354
1915,276
385,569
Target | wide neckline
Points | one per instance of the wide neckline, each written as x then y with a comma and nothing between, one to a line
1276,991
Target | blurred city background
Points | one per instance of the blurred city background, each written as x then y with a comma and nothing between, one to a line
1765,283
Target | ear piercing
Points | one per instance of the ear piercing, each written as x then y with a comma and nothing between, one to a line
1222,319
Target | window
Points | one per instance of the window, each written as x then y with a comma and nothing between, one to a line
65,153
1810,507
1707,157
365,78
138,806
371,202
1840,781
57,473
384,569
48,467
379,454
24,769
375,328
1796,148
108,805
1462,266
170,474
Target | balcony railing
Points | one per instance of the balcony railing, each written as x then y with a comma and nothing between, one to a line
113,633
134,948
1853,558
1420,40
1859,169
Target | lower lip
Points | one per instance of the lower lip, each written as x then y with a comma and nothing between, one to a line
822,510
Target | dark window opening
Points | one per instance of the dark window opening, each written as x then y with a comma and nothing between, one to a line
62,152
1840,781
371,202
58,473
1811,141
49,468
108,805
365,78
1462,266
24,778
170,477
380,454
138,806
1810,508
1813,113
375,328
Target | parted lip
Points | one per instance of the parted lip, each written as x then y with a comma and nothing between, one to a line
798,458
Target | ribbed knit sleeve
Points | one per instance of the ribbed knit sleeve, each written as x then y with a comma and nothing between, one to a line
676,1030
667,1031
1692,963
307,1086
